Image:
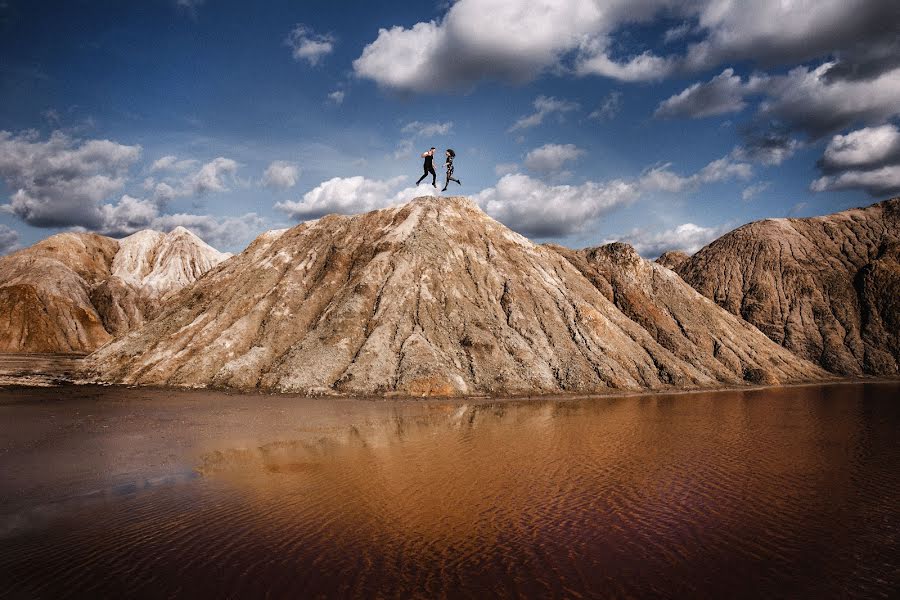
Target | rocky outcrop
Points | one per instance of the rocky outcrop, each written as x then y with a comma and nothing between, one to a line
436,298
74,291
672,259
678,318
823,287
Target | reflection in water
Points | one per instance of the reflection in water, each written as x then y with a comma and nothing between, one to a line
782,492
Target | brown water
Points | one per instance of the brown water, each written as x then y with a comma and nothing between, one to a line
790,492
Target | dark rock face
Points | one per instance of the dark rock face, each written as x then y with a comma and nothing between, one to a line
672,259
823,287
436,298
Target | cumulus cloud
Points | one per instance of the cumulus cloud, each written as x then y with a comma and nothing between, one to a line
544,106
550,158
534,208
771,32
805,100
476,40
866,148
61,181
9,240
336,96
351,195
281,174
877,182
609,108
210,177
509,40
723,94
687,237
420,129
308,45
867,159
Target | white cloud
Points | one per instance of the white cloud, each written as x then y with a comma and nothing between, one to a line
351,195
673,34
9,240
516,41
779,32
864,148
751,191
534,208
687,237
808,101
722,94
523,203
218,231
281,174
867,159
171,163
212,176
420,129
877,182
337,96
550,158
478,39
62,181
544,106
643,67
505,169
661,178
308,45
609,108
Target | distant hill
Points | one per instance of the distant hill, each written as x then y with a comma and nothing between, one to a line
73,292
827,288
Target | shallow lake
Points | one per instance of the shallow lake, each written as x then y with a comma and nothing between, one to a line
782,492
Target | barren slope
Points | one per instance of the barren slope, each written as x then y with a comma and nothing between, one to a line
45,303
432,297
74,291
824,287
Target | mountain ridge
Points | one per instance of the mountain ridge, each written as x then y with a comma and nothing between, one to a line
432,297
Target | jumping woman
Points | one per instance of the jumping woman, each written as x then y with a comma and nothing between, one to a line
449,164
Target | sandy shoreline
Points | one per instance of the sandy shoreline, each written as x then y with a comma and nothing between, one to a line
50,370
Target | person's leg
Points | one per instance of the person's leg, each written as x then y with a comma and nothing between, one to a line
433,177
446,182
424,175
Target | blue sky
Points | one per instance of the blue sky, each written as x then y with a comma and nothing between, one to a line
660,122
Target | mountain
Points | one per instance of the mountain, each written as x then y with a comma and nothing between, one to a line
672,259
73,292
436,298
827,288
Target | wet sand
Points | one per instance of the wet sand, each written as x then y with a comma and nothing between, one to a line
782,492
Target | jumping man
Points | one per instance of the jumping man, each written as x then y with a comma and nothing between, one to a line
428,167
